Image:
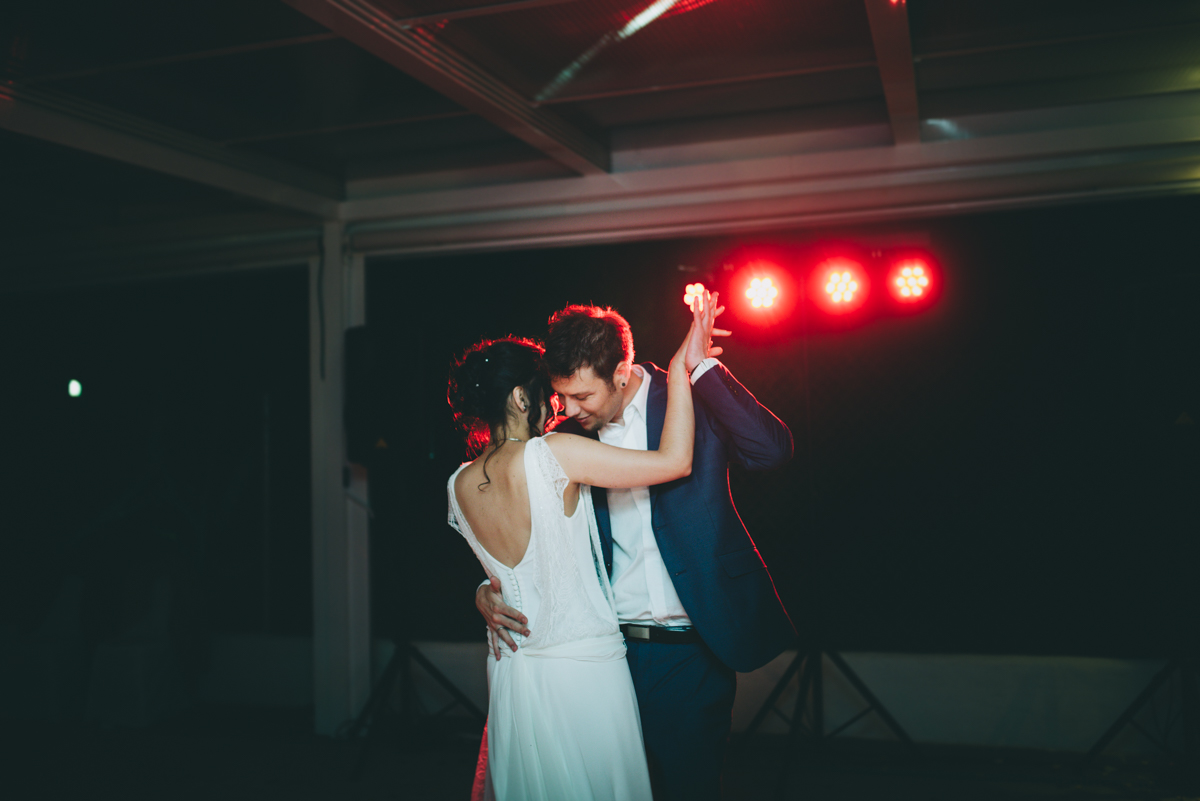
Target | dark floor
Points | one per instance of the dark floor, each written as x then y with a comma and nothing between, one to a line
234,753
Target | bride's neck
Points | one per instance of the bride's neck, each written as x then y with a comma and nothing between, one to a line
516,431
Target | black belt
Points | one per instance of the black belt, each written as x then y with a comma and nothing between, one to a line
677,635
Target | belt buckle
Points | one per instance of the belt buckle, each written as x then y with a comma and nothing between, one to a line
638,632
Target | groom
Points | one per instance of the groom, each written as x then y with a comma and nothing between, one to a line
692,594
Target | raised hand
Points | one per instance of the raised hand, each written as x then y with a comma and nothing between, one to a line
698,345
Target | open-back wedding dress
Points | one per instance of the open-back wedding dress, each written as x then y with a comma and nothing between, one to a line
562,715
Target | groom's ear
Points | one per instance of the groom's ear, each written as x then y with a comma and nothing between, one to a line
621,374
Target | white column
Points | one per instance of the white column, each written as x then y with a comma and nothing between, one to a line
341,574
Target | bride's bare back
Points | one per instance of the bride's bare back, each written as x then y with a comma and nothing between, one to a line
498,512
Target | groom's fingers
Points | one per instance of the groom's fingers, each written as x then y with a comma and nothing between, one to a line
501,624
721,332
499,617
509,619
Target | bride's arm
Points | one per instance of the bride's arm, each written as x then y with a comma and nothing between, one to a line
590,462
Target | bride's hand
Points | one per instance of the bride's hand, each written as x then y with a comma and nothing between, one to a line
697,345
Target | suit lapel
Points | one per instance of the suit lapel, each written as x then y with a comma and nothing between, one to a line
656,414
656,407
600,506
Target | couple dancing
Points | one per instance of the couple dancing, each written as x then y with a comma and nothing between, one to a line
618,613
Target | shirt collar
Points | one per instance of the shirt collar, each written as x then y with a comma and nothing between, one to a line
637,406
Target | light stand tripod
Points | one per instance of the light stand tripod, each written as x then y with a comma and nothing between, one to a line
809,661
810,700
374,715
1188,671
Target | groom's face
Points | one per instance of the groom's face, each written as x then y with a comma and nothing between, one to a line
588,398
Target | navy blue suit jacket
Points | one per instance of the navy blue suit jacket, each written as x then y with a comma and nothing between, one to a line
717,572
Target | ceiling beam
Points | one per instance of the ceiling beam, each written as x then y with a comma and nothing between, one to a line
1030,44
476,11
1143,147
178,58
893,53
77,124
299,133
704,84
418,53
1136,148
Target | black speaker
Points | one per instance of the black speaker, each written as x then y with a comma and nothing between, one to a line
376,413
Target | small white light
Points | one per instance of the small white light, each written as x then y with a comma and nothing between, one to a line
74,389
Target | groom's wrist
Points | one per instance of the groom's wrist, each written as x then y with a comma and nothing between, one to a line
700,369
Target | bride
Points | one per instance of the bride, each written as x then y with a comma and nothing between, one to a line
562,715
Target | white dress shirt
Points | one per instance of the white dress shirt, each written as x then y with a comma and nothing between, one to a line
641,584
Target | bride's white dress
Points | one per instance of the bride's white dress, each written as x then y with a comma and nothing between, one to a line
562,715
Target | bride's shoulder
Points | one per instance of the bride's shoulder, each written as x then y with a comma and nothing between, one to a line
556,440
462,468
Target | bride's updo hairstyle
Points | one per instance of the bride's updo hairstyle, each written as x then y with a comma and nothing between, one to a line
482,381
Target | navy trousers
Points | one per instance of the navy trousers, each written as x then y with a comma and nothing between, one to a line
686,699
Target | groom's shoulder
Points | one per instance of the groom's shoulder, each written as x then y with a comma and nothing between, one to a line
654,371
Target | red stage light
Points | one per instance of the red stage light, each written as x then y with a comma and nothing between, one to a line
762,292
911,281
693,293
840,285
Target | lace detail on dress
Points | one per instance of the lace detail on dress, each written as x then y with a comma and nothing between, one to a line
567,612
585,498
561,561
553,473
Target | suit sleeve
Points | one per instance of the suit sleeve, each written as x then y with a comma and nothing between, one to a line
758,439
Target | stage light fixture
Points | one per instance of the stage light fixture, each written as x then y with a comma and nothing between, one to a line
910,281
74,389
694,293
840,285
762,292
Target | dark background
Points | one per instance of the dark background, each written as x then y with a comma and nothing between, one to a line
159,470
1010,471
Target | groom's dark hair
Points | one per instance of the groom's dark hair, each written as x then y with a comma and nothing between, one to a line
587,336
